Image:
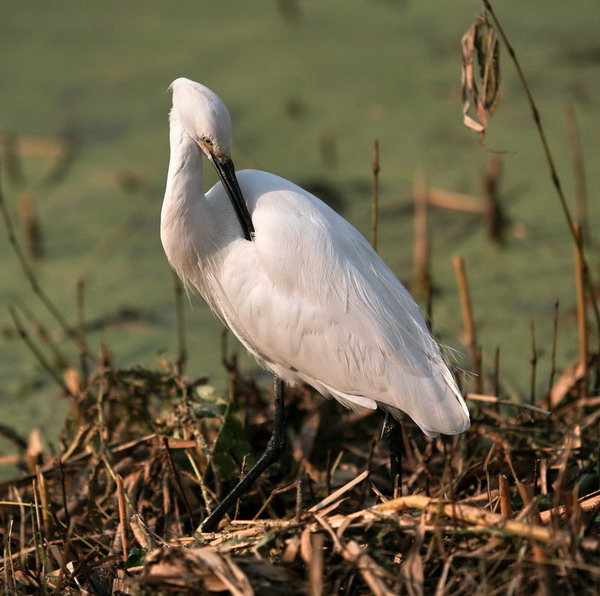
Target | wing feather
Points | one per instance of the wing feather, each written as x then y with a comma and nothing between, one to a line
314,302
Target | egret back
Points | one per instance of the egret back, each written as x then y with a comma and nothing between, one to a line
314,303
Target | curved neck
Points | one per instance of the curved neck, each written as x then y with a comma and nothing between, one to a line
184,178
186,221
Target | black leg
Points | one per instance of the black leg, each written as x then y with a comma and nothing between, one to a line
393,434
274,448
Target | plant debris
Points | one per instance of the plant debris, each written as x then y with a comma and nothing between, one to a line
145,454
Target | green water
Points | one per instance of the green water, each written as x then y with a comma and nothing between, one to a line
308,95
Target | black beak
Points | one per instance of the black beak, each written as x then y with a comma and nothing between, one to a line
226,173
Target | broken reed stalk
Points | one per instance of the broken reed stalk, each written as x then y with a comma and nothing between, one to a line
553,172
81,342
553,355
315,569
122,516
496,386
467,513
494,220
533,362
64,493
467,311
31,225
27,269
45,503
421,247
375,195
180,314
456,201
36,524
581,211
581,313
506,509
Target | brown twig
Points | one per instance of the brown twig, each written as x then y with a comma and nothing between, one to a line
36,351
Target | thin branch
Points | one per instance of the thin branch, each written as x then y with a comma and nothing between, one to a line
36,351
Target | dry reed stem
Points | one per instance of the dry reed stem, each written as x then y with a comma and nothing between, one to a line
421,243
581,209
589,504
465,513
45,504
494,219
445,199
9,578
35,146
181,359
548,402
496,380
335,496
315,565
533,361
375,195
506,509
81,341
466,309
581,313
31,225
123,519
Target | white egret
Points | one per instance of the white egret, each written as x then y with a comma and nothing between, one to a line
298,285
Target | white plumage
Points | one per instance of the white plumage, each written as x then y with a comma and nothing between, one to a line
306,295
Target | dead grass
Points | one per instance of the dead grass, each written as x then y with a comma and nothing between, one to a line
511,506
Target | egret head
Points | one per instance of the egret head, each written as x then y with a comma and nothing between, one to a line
204,117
